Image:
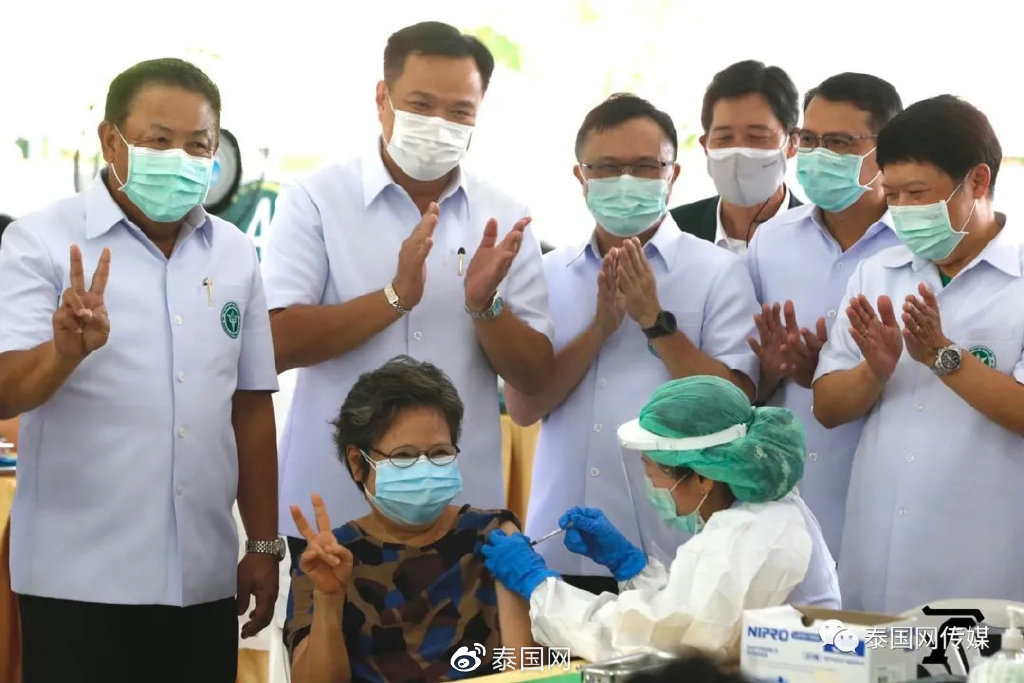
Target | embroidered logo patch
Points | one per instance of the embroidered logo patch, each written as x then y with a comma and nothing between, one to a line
231,319
984,354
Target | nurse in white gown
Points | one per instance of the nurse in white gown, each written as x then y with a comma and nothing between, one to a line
715,467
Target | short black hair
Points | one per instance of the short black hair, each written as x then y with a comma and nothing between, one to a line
165,71
435,39
5,220
753,77
618,109
693,669
379,395
946,132
864,91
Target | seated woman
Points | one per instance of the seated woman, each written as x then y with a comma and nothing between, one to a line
392,596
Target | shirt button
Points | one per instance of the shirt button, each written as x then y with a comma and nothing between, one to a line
812,456
179,490
177,320
417,335
832,313
598,427
920,407
910,457
903,512
594,472
181,376
602,382
182,432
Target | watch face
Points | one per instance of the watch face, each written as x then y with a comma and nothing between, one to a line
949,359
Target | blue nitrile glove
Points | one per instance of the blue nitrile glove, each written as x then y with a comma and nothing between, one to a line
514,562
588,532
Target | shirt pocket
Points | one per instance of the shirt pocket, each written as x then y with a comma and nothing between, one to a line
223,321
996,347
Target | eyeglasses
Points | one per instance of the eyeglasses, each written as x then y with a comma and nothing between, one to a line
407,457
840,143
647,169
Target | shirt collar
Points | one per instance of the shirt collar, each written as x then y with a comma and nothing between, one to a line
102,213
883,223
664,243
1002,253
377,178
722,239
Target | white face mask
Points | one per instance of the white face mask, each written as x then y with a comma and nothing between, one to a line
427,147
746,176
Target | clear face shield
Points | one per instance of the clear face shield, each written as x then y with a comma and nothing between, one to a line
657,539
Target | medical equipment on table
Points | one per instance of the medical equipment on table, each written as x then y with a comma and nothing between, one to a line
623,668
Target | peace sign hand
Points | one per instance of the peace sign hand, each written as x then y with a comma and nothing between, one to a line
80,324
327,563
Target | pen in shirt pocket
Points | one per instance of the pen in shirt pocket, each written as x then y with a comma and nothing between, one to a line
208,283
462,254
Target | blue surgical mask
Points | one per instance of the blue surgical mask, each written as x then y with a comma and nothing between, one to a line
165,184
926,229
626,206
414,495
831,181
665,505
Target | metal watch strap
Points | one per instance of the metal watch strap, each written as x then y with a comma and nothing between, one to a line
392,297
489,313
939,368
274,547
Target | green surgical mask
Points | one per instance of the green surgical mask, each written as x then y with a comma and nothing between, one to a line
626,206
165,184
665,505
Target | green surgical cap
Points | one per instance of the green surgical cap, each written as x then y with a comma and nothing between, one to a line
759,453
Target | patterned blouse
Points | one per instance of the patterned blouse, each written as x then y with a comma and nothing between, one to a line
409,609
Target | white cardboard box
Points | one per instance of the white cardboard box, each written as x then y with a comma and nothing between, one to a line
783,645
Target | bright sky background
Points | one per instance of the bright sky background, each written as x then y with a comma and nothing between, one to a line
298,76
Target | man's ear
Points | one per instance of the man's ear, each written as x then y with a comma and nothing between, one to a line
979,180
109,140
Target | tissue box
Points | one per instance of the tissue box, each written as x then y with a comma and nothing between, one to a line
785,645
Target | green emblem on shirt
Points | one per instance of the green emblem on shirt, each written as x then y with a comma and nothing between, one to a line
231,319
984,354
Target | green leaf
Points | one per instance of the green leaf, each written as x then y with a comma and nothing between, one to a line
505,50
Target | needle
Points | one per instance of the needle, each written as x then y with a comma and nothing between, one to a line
546,536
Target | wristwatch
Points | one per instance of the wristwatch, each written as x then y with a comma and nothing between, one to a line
489,313
947,360
392,297
275,548
664,324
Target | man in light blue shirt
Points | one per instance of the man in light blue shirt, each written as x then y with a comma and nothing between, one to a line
801,261
146,405
937,370
689,305
401,251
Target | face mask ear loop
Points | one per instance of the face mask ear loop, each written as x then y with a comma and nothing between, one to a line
974,205
111,165
864,156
